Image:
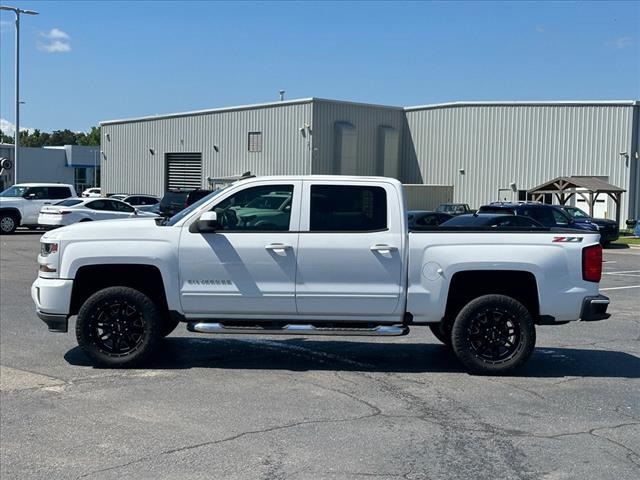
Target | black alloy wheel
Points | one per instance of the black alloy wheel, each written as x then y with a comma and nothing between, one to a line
493,335
118,327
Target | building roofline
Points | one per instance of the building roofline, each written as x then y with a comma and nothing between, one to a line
553,103
357,104
371,105
209,111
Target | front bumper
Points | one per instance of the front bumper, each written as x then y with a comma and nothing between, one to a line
52,297
594,309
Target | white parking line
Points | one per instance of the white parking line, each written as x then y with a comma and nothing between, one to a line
621,272
619,288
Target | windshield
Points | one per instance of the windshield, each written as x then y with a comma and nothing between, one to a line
187,211
575,212
15,191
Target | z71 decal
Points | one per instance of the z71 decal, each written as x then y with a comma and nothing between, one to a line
567,239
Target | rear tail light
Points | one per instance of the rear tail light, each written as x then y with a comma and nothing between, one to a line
592,263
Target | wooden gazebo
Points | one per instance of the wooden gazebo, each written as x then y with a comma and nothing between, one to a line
587,187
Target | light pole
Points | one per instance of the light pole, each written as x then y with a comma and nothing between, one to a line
16,135
95,166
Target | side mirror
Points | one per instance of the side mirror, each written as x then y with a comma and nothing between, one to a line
31,196
207,223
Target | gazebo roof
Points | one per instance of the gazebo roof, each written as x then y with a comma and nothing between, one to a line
563,184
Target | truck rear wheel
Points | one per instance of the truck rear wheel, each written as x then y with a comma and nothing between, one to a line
118,327
493,335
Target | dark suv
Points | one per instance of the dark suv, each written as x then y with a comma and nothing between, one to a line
609,230
177,200
548,215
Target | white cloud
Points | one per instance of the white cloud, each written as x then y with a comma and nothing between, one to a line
621,42
9,128
58,41
56,34
55,46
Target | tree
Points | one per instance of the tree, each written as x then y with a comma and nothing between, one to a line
91,138
62,137
5,138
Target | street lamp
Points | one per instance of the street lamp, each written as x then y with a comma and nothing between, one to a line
16,141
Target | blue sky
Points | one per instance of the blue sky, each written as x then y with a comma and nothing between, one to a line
84,62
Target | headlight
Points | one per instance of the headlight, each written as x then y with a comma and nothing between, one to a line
48,248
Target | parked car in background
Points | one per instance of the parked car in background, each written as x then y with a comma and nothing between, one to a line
547,215
140,201
424,218
454,208
74,210
492,220
118,196
177,200
271,209
92,192
609,230
21,203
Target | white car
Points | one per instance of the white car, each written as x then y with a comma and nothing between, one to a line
21,203
73,210
92,192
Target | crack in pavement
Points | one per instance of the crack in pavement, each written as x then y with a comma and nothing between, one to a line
230,439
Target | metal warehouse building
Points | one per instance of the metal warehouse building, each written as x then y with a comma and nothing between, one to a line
486,151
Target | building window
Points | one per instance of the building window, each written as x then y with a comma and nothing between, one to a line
255,141
523,196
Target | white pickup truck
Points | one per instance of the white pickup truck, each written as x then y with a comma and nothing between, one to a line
345,263
21,203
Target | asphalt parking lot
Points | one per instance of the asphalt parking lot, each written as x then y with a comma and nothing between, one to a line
212,407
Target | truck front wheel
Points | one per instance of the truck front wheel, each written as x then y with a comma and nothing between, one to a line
493,335
118,327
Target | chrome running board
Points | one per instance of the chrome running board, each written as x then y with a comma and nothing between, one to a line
295,329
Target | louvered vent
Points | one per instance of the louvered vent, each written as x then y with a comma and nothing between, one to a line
184,170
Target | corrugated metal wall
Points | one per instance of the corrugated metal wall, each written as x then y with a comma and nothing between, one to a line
427,197
525,144
134,151
365,118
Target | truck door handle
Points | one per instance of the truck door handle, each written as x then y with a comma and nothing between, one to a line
379,247
277,247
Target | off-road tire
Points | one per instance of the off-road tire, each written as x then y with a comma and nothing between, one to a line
493,335
118,327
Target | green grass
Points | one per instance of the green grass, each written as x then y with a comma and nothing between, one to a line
628,241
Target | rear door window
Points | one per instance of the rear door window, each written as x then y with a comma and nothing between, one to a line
346,208
59,192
